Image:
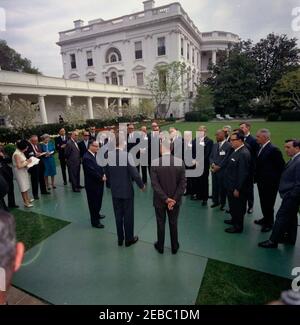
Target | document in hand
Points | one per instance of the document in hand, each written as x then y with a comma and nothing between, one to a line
34,161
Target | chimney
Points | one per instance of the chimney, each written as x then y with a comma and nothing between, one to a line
78,23
149,4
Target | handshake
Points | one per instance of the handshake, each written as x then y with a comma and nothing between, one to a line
171,203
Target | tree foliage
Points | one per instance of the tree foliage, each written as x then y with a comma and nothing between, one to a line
165,85
10,60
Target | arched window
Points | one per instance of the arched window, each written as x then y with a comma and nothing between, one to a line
113,55
114,78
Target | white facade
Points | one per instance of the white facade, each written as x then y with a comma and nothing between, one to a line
125,50
53,95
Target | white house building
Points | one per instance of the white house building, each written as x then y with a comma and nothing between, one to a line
124,50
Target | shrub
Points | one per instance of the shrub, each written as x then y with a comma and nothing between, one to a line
196,117
9,149
290,115
273,117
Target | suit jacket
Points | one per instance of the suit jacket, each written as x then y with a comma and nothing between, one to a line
93,137
237,173
269,165
152,139
82,148
93,173
133,142
208,145
5,169
72,153
168,181
177,146
58,143
290,180
252,145
220,155
121,178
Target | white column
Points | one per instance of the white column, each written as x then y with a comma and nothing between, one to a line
5,97
90,107
120,106
214,57
68,101
106,102
43,111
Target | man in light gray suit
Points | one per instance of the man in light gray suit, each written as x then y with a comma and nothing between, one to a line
218,161
72,154
286,224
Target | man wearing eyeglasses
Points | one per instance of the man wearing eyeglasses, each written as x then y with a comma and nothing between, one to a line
237,182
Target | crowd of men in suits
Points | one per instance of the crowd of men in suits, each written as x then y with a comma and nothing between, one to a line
236,161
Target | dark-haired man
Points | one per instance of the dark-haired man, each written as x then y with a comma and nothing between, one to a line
286,224
237,179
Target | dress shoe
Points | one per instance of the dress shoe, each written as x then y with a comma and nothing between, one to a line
160,250
227,211
99,226
65,183
250,211
266,229
260,222
45,193
175,250
102,216
233,230
268,244
204,203
36,198
132,242
222,208
228,222
215,205
194,198
287,241
80,187
77,191
54,187
120,243
29,205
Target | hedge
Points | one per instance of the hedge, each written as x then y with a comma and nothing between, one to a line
290,115
196,117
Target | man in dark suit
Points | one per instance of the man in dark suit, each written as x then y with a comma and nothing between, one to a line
200,184
121,173
94,178
237,180
84,144
72,154
177,143
286,224
93,134
218,160
7,174
253,147
169,184
144,153
60,145
153,145
269,167
36,172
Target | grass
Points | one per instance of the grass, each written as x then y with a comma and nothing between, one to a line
32,228
280,130
227,284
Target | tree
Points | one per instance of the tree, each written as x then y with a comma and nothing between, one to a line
204,98
165,85
107,114
286,92
10,60
275,56
233,82
75,115
20,114
146,108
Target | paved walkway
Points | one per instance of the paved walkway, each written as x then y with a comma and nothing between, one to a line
83,265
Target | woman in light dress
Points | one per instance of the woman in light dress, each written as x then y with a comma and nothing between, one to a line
20,169
48,159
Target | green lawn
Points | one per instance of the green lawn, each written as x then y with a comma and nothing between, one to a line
280,130
33,228
227,284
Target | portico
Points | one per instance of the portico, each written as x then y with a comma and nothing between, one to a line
53,95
